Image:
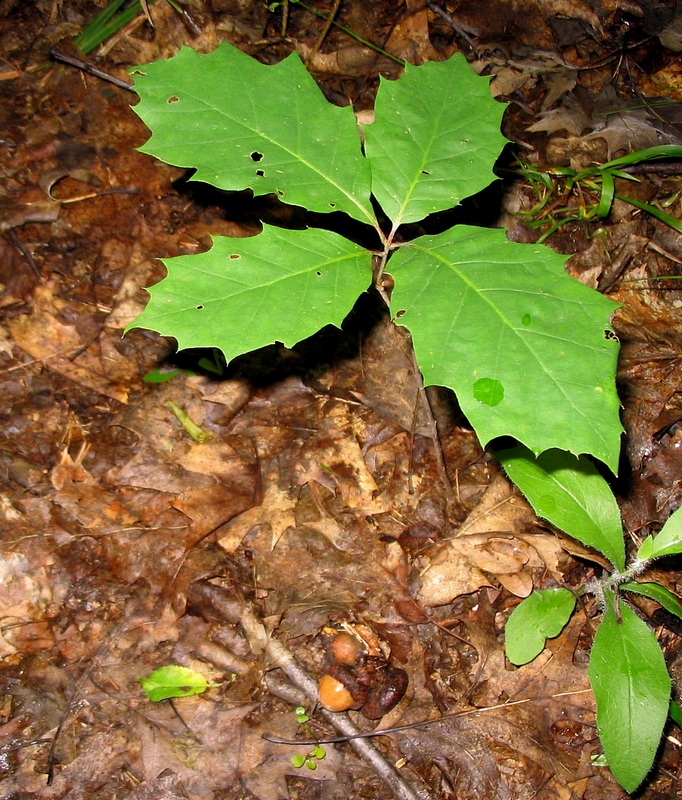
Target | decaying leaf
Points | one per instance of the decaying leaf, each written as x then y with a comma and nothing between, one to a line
276,510
46,338
493,544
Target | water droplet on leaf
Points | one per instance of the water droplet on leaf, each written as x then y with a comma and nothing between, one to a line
488,391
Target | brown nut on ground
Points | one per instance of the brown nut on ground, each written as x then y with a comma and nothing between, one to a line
334,695
345,648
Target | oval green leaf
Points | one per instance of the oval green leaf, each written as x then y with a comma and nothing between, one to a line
173,681
666,543
571,494
632,688
654,591
539,617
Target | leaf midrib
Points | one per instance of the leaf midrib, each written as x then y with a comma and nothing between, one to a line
369,215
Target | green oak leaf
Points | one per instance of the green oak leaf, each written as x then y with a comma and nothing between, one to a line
242,124
632,688
435,139
667,542
522,344
174,681
541,616
243,294
571,494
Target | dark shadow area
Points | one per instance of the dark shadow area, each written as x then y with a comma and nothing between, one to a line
308,357
482,209
311,357
243,207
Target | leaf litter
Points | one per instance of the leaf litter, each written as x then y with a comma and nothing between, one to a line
312,504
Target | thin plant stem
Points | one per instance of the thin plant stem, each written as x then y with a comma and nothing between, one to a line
354,35
325,30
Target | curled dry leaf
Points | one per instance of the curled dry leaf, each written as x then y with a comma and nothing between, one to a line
492,545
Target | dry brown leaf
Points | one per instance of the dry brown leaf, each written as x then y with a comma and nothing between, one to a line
493,541
45,338
339,463
276,510
264,765
205,751
511,743
508,80
410,38
569,117
557,85
518,583
632,130
388,382
25,593
354,60
16,213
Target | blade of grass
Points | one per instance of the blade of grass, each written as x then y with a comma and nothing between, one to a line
647,154
106,24
608,190
668,219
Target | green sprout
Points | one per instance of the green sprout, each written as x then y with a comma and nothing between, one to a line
194,431
311,758
107,23
112,19
567,195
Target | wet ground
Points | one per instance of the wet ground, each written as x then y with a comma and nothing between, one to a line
318,503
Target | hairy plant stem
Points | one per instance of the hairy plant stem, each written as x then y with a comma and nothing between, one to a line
614,580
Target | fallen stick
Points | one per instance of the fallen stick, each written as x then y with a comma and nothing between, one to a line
304,689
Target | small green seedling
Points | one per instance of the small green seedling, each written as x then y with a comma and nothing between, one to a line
311,758
174,681
627,669
520,342
527,349
594,190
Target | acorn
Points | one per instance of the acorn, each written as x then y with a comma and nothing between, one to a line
334,695
345,648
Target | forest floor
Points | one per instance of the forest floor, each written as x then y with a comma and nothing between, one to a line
317,504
